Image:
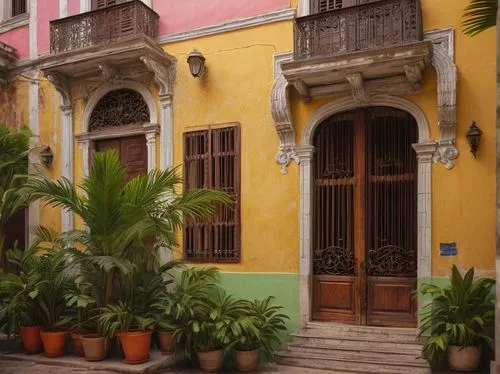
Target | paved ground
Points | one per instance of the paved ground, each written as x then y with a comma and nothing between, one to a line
23,367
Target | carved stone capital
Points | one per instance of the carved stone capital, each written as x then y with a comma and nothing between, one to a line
66,110
282,116
165,100
62,86
425,150
359,92
305,153
164,74
446,153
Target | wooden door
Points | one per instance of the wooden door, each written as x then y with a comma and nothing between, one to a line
132,150
365,236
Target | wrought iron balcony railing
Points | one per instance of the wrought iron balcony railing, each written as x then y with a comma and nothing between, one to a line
103,26
375,25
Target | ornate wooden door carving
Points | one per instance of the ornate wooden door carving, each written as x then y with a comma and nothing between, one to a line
365,218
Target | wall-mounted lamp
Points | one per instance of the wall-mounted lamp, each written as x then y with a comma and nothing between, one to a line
196,63
46,156
474,137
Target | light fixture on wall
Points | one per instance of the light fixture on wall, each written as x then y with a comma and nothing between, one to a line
474,137
46,156
196,63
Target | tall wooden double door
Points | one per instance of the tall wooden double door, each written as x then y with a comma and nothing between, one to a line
365,218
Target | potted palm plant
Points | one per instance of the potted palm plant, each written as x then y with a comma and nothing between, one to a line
79,303
179,305
459,320
133,330
125,222
259,327
54,285
19,311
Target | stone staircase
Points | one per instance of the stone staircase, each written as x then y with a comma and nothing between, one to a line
346,349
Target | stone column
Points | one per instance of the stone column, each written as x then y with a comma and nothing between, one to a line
151,148
85,147
67,159
166,132
305,155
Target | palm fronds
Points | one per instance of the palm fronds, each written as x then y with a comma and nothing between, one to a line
479,16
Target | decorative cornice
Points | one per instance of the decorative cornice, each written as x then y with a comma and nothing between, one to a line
275,16
62,86
282,116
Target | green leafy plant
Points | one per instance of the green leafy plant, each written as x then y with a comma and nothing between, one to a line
18,291
120,317
126,223
461,313
191,293
260,326
14,147
479,16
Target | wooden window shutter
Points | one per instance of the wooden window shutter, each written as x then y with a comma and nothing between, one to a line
99,4
18,7
320,6
212,160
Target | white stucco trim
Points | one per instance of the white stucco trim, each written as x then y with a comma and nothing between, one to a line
304,8
33,31
85,139
149,3
34,207
274,16
63,8
425,148
85,6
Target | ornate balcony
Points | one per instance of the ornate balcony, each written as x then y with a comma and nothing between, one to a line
375,25
8,56
366,50
103,26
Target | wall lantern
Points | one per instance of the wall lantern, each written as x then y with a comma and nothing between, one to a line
46,156
474,137
196,63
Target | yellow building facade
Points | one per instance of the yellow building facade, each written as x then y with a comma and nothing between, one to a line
246,62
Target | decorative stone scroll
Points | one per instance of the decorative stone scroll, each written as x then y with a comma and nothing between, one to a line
443,63
280,109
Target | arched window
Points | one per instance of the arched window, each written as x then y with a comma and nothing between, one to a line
119,108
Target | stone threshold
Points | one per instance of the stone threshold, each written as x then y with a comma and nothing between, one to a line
158,362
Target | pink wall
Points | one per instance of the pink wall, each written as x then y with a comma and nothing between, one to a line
73,7
19,39
46,13
182,15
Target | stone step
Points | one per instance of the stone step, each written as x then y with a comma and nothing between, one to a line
372,333
348,340
370,352
350,364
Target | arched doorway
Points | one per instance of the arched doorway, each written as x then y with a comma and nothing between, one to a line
365,224
117,122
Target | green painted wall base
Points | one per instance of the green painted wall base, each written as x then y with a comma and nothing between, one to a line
283,286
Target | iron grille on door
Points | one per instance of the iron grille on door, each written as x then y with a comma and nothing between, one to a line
99,4
212,160
18,7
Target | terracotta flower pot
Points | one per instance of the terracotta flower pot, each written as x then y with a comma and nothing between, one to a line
77,344
247,360
32,341
135,345
95,347
53,343
212,361
166,342
464,358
